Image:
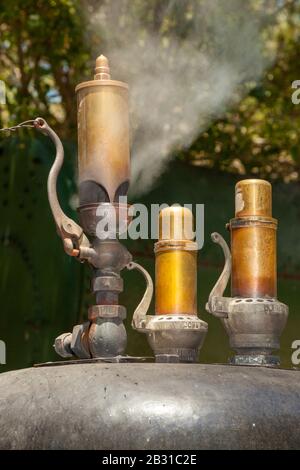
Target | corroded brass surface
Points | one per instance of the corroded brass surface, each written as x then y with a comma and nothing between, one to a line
253,241
253,251
176,264
176,282
103,137
253,197
176,223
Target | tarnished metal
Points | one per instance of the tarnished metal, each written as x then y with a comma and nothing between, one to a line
175,333
103,137
150,406
216,301
95,360
253,322
104,167
107,337
105,334
253,197
62,345
96,403
139,319
80,341
176,263
70,232
103,161
116,216
29,123
253,241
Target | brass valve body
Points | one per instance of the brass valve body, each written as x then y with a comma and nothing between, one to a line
253,317
176,263
175,333
103,137
253,241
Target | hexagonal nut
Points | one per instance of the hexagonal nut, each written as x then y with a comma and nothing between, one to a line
79,343
62,345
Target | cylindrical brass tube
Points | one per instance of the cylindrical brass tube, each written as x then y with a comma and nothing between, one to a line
253,197
176,263
253,241
103,137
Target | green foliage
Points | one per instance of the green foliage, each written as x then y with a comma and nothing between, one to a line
46,46
40,287
260,136
42,56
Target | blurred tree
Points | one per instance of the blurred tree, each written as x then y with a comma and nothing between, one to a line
260,137
42,54
45,49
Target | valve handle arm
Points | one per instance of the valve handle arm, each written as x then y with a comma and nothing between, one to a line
70,232
140,313
216,301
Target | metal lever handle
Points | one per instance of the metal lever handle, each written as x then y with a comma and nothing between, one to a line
140,313
71,233
220,286
75,241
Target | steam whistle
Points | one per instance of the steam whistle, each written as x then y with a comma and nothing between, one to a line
103,168
175,333
253,317
154,406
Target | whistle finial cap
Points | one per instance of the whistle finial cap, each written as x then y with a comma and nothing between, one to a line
253,197
102,71
176,223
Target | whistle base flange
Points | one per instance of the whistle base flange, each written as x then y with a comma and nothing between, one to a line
266,360
175,338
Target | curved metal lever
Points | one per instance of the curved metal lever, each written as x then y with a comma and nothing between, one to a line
71,233
214,304
140,313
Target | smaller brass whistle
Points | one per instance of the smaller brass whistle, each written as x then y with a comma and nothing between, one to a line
253,317
175,333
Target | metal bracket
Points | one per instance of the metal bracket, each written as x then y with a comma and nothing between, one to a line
217,304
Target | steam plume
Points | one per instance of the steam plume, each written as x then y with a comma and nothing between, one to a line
181,81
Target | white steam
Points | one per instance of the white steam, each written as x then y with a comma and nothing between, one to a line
179,85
